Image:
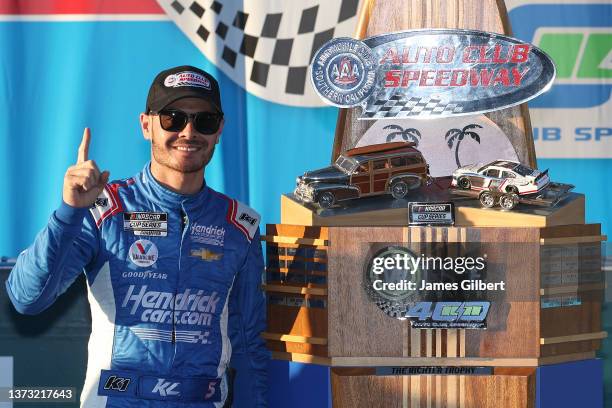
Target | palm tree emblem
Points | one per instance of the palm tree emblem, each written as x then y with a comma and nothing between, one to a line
458,135
408,134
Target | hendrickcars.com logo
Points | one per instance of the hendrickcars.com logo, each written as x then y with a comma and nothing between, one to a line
578,37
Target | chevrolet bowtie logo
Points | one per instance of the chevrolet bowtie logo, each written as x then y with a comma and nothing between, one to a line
206,254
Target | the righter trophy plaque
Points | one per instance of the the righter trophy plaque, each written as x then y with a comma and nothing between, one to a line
432,264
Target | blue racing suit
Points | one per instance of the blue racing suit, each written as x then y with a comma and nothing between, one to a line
173,282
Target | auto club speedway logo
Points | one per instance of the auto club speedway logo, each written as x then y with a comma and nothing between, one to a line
143,253
406,286
430,73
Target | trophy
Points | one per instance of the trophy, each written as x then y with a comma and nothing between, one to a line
432,263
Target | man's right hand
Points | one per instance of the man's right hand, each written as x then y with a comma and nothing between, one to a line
83,182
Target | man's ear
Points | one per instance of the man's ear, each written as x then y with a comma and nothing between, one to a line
146,125
220,130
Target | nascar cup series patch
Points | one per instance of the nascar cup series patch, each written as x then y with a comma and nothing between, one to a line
151,224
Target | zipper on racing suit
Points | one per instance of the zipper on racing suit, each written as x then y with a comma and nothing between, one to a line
184,222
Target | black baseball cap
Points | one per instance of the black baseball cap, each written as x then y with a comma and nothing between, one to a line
182,82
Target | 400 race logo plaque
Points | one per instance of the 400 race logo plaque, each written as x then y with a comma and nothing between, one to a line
406,286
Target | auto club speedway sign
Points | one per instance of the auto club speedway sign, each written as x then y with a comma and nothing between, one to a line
430,73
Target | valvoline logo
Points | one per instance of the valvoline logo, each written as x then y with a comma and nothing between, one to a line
143,253
578,37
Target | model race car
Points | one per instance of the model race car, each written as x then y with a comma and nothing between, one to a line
507,182
507,176
387,168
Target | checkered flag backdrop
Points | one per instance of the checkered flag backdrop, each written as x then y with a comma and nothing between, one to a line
265,46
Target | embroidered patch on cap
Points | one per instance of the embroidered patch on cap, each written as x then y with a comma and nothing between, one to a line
187,78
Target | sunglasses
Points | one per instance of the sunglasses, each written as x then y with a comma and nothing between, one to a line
206,123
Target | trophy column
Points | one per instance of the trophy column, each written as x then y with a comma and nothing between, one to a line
520,329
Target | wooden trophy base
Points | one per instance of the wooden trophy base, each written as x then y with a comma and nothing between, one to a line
319,313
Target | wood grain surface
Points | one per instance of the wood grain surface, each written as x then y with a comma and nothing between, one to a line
506,388
521,329
358,328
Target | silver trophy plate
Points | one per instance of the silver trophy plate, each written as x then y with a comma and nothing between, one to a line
430,73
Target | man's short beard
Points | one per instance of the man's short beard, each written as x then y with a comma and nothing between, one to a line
163,157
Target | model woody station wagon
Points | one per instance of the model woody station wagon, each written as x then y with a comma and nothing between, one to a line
387,168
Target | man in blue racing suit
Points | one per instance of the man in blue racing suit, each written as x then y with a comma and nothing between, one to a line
173,267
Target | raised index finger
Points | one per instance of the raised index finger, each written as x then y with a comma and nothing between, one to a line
84,147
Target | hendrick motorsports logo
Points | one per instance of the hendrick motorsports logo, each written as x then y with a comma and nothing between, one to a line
189,307
143,253
343,72
207,234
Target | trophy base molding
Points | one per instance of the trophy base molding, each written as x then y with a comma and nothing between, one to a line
385,210
567,385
